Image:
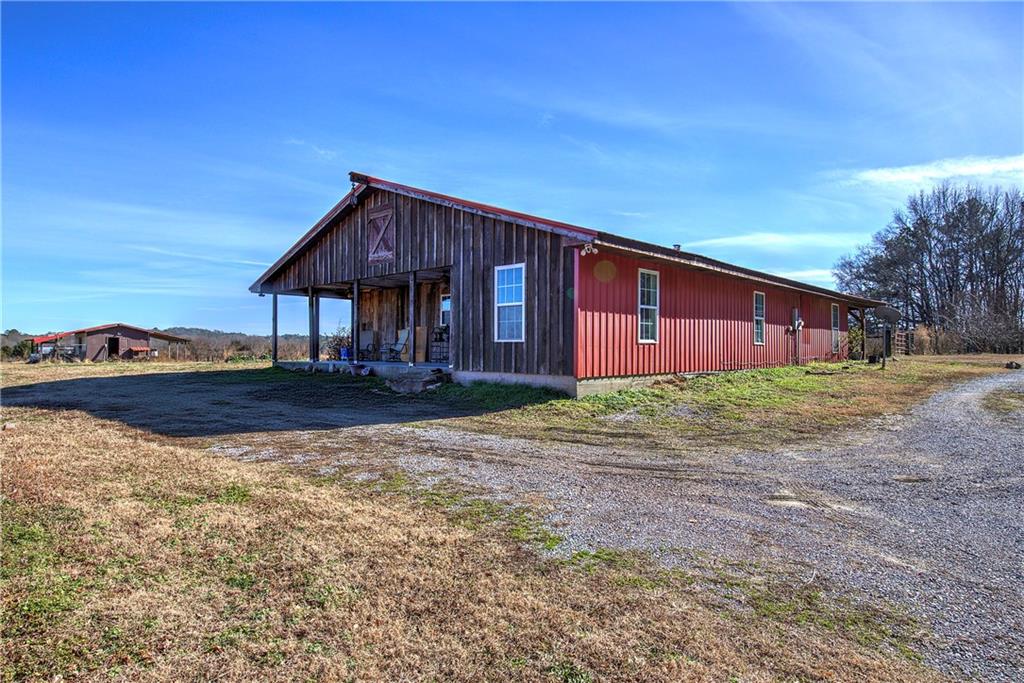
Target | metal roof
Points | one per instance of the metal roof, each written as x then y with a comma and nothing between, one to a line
362,182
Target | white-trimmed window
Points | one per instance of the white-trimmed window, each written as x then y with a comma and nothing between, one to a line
835,328
648,305
446,309
759,318
509,303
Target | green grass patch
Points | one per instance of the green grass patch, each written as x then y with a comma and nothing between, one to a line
472,512
569,672
607,558
1004,401
241,580
491,395
775,406
44,589
234,494
725,395
787,600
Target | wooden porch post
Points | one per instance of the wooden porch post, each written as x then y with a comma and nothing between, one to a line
412,318
273,328
354,330
314,326
863,334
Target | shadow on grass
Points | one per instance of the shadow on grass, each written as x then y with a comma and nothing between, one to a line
194,404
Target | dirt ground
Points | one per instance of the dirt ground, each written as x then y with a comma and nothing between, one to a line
920,511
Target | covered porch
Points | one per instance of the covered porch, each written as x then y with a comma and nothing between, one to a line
401,319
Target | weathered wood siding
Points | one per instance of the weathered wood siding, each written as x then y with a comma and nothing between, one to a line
429,236
383,312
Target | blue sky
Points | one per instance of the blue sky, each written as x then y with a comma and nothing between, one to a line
157,157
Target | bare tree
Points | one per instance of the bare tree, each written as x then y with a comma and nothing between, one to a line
952,260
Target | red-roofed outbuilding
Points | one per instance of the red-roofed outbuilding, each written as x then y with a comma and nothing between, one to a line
104,342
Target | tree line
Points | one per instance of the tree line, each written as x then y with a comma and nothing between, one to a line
952,262
214,345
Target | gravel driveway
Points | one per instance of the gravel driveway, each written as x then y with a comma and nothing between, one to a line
924,510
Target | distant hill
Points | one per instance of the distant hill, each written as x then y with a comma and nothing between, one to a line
12,336
195,332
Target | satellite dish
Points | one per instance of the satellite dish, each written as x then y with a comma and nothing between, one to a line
888,314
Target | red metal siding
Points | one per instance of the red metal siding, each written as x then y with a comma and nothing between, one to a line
705,321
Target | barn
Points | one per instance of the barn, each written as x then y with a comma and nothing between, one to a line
485,293
113,341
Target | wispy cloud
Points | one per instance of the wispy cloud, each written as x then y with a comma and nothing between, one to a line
917,53
775,241
197,257
665,118
808,275
983,170
320,152
89,287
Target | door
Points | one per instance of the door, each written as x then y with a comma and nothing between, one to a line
113,347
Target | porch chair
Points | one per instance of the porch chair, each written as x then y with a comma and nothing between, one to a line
368,347
395,351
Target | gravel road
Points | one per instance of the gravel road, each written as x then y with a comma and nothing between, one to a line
924,510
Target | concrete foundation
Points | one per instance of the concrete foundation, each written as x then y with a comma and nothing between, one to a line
380,369
563,383
604,385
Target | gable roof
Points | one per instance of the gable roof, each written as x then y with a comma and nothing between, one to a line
42,339
361,183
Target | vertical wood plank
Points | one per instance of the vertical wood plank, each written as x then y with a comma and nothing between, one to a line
355,320
273,328
478,300
412,318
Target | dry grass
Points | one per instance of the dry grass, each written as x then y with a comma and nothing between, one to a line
762,408
18,373
131,556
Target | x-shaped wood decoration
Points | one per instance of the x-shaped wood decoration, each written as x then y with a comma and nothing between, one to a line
380,240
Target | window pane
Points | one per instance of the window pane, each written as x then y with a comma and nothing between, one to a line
512,294
759,331
648,289
759,305
648,324
510,285
510,322
509,277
